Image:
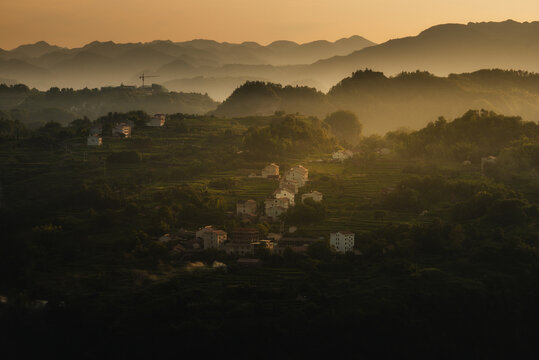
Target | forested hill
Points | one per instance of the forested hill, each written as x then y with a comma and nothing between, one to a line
384,103
18,102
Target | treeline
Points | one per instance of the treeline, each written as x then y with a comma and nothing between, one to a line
474,135
384,103
288,136
18,102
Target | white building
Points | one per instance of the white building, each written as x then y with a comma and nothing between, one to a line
270,170
298,174
284,193
342,241
247,207
274,207
342,155
292,186
95,140
122,129
213,238
157,120
315,195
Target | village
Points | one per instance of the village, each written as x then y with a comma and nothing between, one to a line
246,242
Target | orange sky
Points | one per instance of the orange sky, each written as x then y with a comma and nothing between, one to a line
76,22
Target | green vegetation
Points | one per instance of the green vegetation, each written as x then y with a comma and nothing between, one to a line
440,245
35,107
346,126
385,103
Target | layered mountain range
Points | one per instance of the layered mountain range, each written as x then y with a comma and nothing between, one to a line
218,68
197,65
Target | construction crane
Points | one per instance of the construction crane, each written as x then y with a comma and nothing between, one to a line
142,77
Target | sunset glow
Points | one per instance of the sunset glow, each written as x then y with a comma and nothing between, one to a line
78,22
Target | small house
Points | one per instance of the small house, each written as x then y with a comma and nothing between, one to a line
212,238
272,170
284,193
157,120
95,140
341,155
297,174
122,129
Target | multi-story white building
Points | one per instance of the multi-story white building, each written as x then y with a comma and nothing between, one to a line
298,174
292,186
213,238
95,140
315,195
342,241
275,207
270,170
284,193
247,207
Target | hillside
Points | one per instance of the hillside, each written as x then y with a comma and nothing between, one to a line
408,99
439,246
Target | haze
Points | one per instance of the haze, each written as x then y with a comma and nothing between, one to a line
78,22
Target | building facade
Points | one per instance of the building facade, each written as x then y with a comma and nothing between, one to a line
247,207
157,120
95,140
284,193
271,170
297,174
244,235
342,241
122,129
213,238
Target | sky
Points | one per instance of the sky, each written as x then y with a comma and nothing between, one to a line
73,23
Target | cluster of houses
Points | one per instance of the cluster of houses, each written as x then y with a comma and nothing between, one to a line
122,129
284,196
246,241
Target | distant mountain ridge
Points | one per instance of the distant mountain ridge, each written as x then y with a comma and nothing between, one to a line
219,68
443,49
107,63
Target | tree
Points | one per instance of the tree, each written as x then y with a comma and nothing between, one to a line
345,126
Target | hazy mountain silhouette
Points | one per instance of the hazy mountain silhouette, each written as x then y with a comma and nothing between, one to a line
443,49
107,63
386,103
